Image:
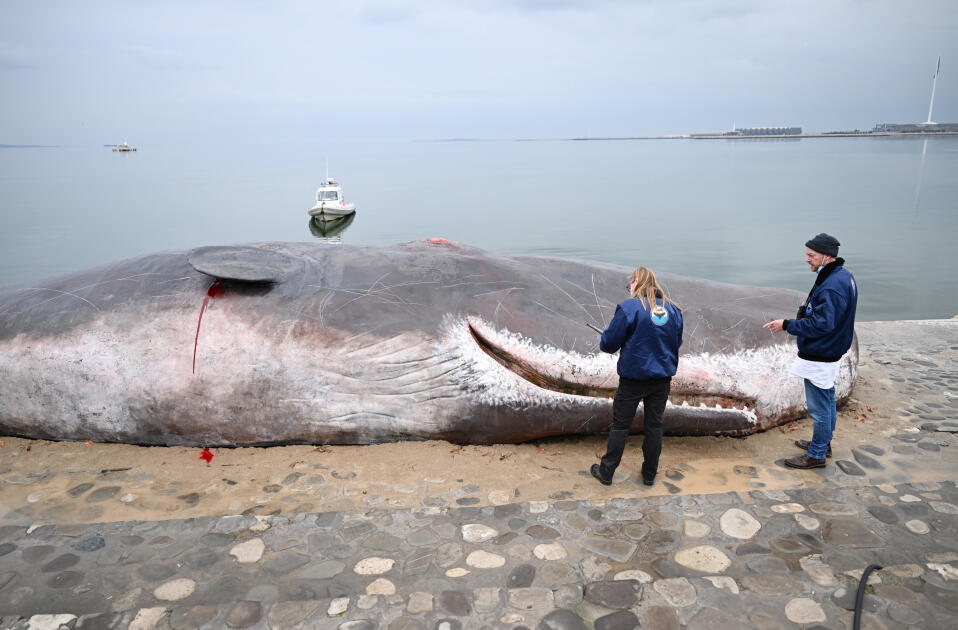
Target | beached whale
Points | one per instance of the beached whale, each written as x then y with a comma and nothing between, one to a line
306,343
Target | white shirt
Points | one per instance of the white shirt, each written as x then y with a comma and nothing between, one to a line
822,375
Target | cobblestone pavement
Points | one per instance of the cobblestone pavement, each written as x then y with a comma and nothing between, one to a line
758,559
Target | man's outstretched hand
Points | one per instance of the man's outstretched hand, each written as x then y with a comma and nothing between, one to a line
775,325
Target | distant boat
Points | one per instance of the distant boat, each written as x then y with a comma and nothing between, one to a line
330,204
124,148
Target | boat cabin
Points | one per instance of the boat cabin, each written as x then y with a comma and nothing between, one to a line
329,191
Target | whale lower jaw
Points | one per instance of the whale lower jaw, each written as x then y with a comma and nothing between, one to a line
699,402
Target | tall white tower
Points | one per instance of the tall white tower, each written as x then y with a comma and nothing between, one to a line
934,83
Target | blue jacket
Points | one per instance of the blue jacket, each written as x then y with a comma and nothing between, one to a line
826,322
650,349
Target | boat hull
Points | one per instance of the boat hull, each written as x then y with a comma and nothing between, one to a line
331,211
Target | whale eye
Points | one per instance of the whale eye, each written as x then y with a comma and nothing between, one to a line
244,264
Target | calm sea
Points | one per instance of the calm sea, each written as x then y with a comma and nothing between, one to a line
734,211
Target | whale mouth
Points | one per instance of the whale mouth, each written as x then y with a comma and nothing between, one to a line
595,384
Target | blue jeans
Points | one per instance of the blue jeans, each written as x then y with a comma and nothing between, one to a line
821,407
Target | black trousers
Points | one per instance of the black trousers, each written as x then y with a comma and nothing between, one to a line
654,394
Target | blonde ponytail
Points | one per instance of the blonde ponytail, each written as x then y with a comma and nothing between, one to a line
647,288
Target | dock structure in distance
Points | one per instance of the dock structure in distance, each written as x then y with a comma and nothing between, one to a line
753,132
926,127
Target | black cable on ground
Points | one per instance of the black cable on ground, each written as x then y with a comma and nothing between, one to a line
860,596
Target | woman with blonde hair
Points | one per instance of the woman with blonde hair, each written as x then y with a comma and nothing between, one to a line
647,328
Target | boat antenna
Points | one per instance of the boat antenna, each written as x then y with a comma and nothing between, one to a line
933,84
327,166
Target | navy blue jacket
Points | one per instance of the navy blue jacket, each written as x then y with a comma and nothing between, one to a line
826,324
649,349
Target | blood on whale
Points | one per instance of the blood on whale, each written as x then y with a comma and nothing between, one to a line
216,290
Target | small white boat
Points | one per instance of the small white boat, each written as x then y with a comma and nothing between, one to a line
124,148
330,204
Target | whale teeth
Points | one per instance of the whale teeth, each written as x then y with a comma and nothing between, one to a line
703,406
685,403
718,406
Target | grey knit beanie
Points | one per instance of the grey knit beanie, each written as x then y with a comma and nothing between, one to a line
824,244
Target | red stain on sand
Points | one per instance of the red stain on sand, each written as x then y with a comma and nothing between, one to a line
207,456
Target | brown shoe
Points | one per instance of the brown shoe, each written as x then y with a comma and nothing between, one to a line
803,444
804,461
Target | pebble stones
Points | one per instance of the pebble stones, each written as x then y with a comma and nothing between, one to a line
696,529
678,592
92,543
807,522
704,558
946,571
477,533
884,514
374,566
917,527
419,602
562,620
521,577
615,595
243,614
175,590
619,620
381,586
849,533
499,497
78,490
618,550
456,602
944,508
904,614
850,468
249,551
484,560
337,607
633,574
833,509
866,461
803,610
739,524
489,599
531,598
552,551
51,622
183,617
147,618
721,581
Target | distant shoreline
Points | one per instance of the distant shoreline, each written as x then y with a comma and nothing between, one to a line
864,134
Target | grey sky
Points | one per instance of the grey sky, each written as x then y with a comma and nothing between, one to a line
100,71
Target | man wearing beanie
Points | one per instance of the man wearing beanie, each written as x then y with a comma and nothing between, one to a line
825,328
